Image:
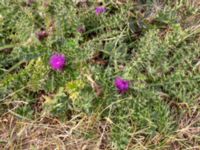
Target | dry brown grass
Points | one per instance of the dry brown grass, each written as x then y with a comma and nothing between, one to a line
48,133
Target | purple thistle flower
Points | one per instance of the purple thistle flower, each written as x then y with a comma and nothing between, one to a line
100,9
41,35
57,62
81,29
30,2
122,85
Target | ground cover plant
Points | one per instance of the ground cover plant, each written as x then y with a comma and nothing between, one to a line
110,74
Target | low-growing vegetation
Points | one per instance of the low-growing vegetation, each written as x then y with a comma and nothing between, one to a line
106,74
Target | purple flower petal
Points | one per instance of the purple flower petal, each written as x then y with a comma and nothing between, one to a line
57,62
121,85
100,9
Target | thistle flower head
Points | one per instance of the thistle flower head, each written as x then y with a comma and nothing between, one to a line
121,85
81,29
57,62
100,9
30,2
41,35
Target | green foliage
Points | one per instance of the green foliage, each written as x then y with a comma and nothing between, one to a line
59,105
151,49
